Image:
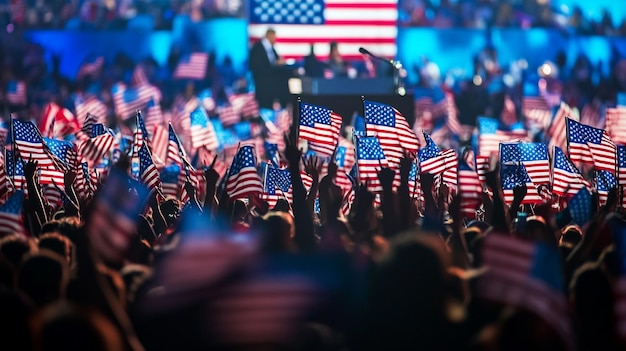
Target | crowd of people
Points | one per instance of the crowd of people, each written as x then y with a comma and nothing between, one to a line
111,15
505,14
103,248
116,15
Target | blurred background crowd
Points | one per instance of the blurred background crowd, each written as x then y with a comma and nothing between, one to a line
118,14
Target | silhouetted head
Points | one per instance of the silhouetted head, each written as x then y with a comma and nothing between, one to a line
278,229
43,277
58,244
70,328
282,205
15,247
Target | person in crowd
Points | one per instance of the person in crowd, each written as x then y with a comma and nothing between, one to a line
336,64
313,67
268,72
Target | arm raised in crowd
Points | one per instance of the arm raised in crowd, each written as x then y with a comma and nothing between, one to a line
305,234
500,218
71,207
313,167
35,209
390,220
403,196
212,177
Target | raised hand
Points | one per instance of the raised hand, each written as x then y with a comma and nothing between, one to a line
292,153
519,192
210,174
386,176
406,163
313,167
30,168
69,178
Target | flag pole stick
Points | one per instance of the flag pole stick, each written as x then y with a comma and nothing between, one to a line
364,120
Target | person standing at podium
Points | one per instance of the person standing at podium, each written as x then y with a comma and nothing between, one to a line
269,72
336,64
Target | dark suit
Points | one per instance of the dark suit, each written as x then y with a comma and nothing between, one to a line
270,80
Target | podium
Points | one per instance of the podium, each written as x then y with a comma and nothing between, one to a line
347,86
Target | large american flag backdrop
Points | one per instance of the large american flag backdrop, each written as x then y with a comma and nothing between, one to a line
351,23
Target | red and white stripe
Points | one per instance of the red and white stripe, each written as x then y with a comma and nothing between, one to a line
616,124
245,104
322,138
395,141
94,149
509,280
91,105
192,68
17,97
602,156
470,191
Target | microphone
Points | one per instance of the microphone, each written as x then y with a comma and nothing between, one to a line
364,51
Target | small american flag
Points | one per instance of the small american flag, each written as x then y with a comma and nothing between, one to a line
605,181
16,92
202,132
148,172
153,115
64,151
30,143
192,67
159,141
470,190
175,152
85,131
490,136
580,207
139,77
228,115
11,215
482,167
277,185
99,144
243,180
81,183
450,174
616,124
15,169
591,116
370,158
527,275
391,129
90,104
320,127
57,121
430,158
591,146
52,196
127,100
516,175
537,111
112,224
90,67
557,137
534,157
567,180
6,185
244,104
